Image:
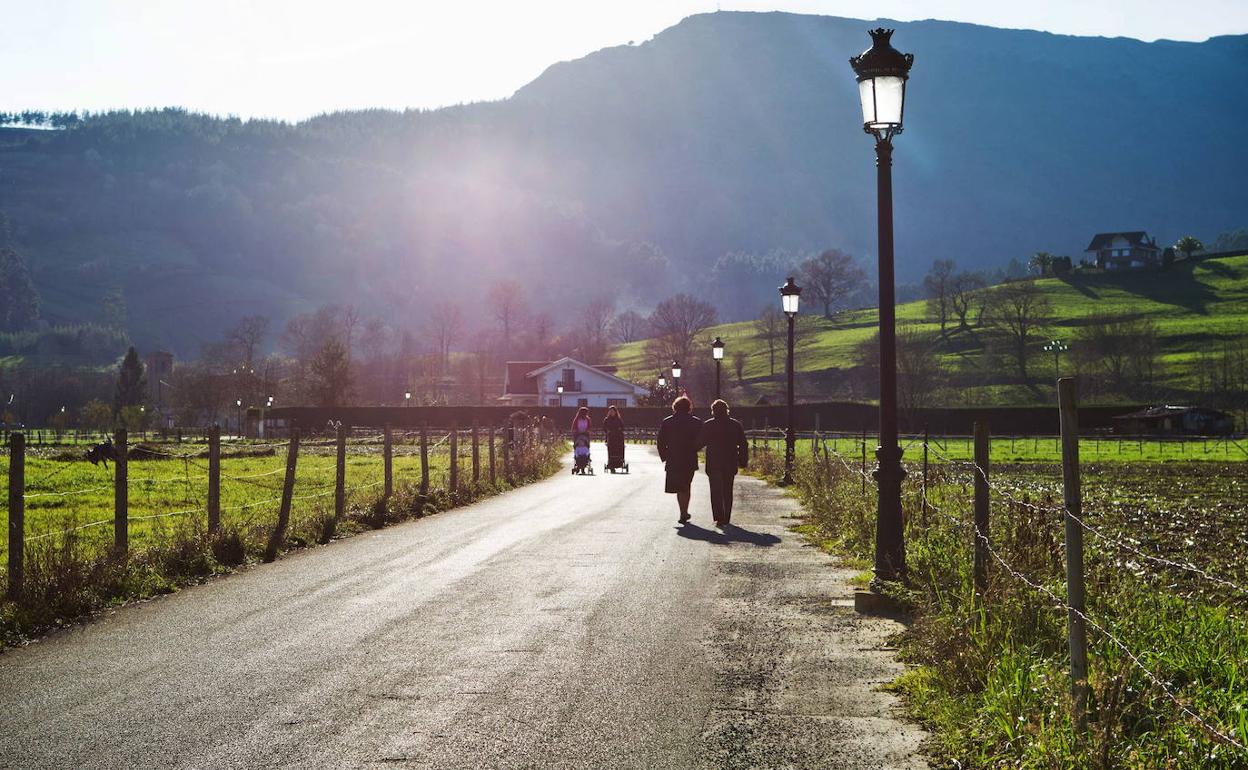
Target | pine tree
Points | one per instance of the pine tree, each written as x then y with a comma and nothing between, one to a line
131,383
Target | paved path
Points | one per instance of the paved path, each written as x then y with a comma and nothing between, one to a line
570,624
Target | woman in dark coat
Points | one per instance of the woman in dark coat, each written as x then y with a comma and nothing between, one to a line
678,449
726,450
613,426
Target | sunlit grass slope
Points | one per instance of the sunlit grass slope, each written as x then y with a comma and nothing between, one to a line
1196,306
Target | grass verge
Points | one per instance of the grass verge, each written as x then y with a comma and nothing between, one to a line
989,674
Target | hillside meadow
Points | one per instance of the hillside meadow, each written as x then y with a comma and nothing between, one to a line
1197,306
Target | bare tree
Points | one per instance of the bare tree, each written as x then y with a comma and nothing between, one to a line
247,336
1118,352
629,326
542,335
444,324
937,285
510,306
331,374
591,337
962,289
1019,310
676,322
771,328
739,359
919,373
830,277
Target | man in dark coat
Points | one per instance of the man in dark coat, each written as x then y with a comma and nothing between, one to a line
678,449
726,450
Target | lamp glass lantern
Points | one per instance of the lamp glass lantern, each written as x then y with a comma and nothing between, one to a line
717,349
790,296
676,370
559,388
882,73
662,380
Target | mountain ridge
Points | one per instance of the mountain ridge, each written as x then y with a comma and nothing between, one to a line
633,170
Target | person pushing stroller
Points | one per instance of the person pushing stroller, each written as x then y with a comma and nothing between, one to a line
613,426
581,427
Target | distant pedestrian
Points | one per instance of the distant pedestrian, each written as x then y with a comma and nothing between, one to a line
726,451
582,423
678,449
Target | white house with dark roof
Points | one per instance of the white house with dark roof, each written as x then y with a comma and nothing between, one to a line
536,383
1124,251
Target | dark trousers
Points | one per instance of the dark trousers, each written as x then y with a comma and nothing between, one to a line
721,495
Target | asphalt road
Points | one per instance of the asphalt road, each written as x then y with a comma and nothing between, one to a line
570,624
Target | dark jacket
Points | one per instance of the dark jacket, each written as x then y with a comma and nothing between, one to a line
613,423
725,444
678,442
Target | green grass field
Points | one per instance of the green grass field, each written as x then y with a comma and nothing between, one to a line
1036,449
73,495
1196,305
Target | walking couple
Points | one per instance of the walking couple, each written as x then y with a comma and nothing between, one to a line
682,436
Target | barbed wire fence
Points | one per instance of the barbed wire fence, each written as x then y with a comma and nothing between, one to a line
976,473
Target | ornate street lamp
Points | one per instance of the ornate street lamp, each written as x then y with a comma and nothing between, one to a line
882,73
790,297
407,398
676,376
717,352
559,390
238,402
1056,347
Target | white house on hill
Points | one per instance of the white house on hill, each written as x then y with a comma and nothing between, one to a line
536,383
1123,251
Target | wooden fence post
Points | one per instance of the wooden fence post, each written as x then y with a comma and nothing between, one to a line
493,476
863,471
424,459
214,479
1077,632
926,436
508,432
288,490
476,455
340,474
121,493
387,453
454,441
17,514
982,540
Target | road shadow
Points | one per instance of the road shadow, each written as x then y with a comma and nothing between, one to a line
730,534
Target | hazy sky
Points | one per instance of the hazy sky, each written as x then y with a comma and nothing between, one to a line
295,58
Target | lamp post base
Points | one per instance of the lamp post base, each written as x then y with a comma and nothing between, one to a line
890,555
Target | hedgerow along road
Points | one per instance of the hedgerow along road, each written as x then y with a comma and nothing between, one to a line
571,623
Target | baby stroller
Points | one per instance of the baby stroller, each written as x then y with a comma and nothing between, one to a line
580,455
615,452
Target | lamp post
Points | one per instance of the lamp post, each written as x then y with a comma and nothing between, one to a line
676,377
238,402
407,398
717,352
1056,347
790,296
882,72
559,390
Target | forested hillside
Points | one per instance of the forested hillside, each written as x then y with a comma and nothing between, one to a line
698,161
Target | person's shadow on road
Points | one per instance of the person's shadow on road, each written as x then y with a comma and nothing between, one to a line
730,534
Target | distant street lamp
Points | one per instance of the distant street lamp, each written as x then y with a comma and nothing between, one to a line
662,380
238,402
1057,348
882,72
790,297
407,398
717,352
676,376
559,390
